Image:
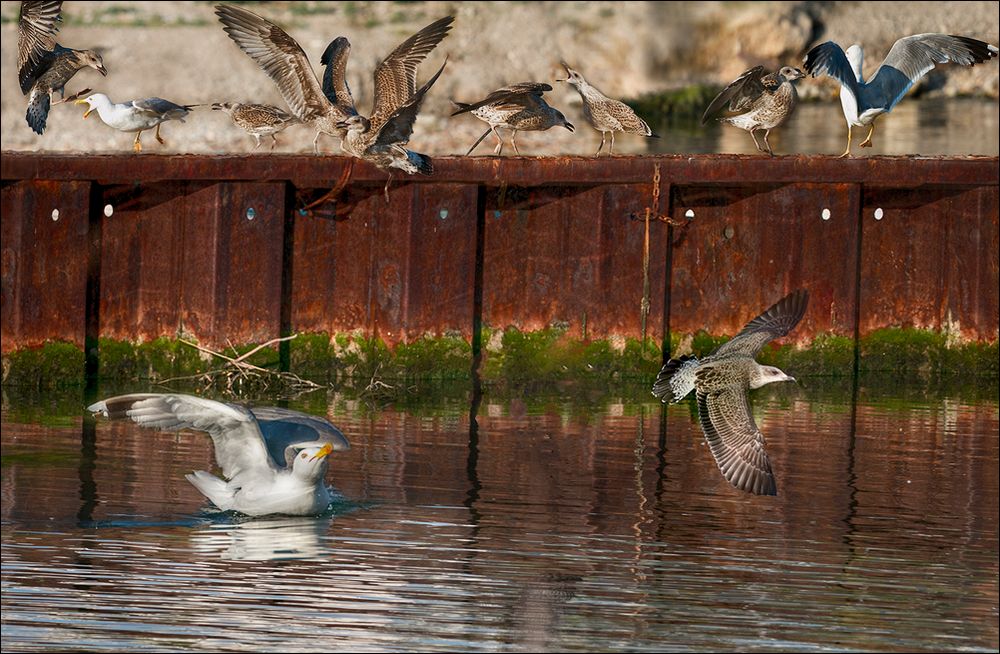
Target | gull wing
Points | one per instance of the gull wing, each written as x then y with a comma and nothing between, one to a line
398,127
735,440
396,76
160,107
829,59
280,56
284,428
335,74
36,38
742,90
776,321
239,445
912,57
515,94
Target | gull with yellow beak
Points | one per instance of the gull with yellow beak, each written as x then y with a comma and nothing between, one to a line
273,459
135,115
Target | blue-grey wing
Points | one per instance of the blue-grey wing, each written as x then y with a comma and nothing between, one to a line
829,59
285,428
912,57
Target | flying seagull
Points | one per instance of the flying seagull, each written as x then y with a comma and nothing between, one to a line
721,381
273,459
519,107
44,66
760,100
909,59
607,115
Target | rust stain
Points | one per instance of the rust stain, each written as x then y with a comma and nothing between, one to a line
194,245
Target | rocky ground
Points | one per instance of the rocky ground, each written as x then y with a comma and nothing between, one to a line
177,50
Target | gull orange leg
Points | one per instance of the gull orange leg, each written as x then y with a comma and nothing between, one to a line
847,152
867,143
136,145
158,137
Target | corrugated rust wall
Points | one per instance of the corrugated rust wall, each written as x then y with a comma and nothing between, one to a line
228,248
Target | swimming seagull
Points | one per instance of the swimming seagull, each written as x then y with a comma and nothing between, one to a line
257,120
909,59
286,64
721,381
760,100
273,459
519,107
380,138
44,66
135,115
604,113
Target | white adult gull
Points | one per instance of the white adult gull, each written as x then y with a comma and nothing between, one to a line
721,381
135,115
273,459
909,59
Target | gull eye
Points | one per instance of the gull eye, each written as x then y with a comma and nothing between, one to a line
304,455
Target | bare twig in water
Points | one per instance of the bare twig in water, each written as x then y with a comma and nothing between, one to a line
238,376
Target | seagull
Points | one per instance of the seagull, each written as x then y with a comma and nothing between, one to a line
286,64
519,107
760,99
721,381
381,137
44,66
909,59
604,113
135,115
257,120
273,459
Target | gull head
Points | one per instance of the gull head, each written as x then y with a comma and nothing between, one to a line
92,101
565,123
224,106
92,59
768,375
790,74
572,76
355,124
311,462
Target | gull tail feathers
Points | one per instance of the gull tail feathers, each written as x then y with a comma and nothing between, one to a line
676,379
213,488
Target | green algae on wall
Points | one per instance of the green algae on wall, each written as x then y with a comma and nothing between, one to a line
508,355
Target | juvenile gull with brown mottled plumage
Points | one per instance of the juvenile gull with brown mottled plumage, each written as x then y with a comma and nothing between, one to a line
607,115
257,120
518,107
721,381
759,100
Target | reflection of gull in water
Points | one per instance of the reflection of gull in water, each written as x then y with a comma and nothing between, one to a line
273,459
263,540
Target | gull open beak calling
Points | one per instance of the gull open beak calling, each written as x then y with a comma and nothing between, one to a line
327,448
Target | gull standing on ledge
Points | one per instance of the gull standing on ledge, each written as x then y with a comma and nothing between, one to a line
721,381
273,459
257,120
760,99
44,66
135,115
909,59
519,107
604,113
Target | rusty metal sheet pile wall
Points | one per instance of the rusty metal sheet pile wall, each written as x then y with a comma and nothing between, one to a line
225,250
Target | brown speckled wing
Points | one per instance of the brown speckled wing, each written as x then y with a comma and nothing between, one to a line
281,58
776,321
735,440
36,38
396,76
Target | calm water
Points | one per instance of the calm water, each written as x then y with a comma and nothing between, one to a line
938,126
555,523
